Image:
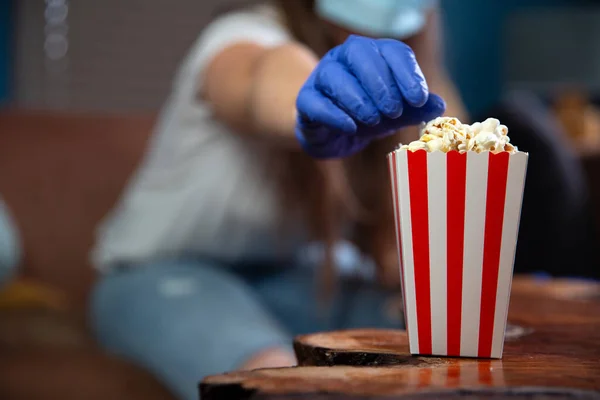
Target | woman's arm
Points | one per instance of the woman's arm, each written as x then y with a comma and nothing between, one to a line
253,89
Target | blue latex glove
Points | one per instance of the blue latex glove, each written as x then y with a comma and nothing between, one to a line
362,90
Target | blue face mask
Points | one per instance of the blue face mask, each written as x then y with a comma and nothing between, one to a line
380,18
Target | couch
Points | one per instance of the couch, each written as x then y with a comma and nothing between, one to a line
59,174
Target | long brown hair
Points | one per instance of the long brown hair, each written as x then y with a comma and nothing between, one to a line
354,190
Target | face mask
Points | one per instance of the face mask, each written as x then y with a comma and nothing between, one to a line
380,18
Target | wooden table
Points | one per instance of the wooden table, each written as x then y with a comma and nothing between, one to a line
552,351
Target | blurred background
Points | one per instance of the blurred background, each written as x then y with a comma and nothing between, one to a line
80,85
114,56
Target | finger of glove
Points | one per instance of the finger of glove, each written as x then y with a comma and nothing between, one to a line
317,111
406,70
362,58
343,89
433,108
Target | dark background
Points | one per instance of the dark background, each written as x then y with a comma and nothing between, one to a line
122,54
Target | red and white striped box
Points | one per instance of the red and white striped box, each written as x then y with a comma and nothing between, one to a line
457,220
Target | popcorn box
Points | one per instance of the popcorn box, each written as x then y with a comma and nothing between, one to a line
457,220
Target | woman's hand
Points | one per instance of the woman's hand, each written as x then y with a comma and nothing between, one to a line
362,90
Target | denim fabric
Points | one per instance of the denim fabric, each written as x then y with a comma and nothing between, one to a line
183,320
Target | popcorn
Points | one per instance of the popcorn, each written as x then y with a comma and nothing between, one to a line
447,134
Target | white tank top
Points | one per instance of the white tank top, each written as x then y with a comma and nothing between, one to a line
200,190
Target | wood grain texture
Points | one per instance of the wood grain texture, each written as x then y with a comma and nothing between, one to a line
552,351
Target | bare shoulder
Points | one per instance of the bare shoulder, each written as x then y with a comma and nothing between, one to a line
237,63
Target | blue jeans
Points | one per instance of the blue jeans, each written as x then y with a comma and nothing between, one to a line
183,320
9,245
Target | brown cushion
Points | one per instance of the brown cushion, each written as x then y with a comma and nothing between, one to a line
59,174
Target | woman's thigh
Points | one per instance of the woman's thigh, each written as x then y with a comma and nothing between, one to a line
293,298
182,321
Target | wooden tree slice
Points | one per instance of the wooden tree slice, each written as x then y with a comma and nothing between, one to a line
553,317
552,351
362,383
460,394
361,347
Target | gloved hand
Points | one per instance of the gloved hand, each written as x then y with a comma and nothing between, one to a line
362,90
